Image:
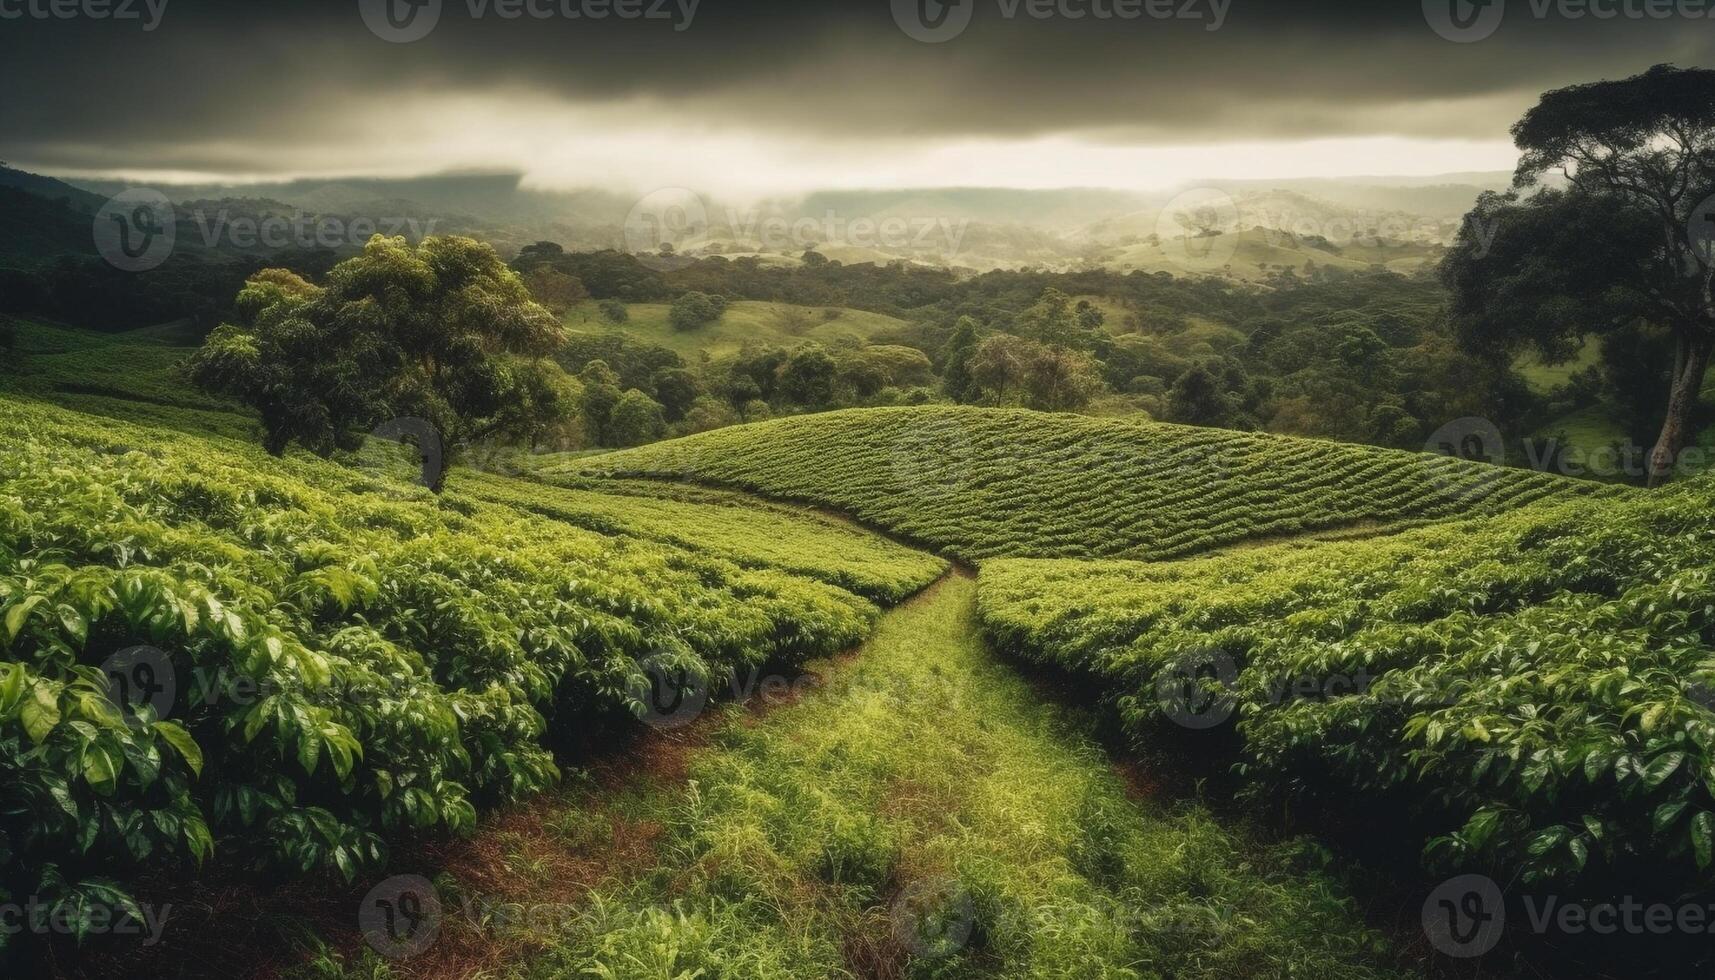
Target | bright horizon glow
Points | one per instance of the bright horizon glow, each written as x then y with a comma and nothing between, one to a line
637,148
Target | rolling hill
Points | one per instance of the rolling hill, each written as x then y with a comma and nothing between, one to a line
981,483
425,667
1519,682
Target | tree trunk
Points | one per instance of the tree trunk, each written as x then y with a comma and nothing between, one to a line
1690,360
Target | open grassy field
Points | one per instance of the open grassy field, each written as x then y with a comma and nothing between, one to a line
1256,253
745,322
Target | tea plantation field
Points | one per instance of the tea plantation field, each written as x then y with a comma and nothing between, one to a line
1534,685
337,657
981,483
213,657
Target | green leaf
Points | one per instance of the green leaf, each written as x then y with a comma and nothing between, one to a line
76,626
1668,813
1594,826
197,837
18,614
1661,767
175,735
309,750
40,713
100,770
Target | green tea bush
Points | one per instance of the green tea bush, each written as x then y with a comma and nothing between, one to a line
987,483
339,657
1533,686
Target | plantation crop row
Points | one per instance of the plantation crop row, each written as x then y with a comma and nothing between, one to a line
135,376
744,531
1532,687
342,656
995,483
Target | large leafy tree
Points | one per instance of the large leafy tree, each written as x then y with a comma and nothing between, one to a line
441,331
956,376
1545,268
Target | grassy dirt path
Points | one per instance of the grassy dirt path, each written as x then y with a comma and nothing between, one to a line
923,813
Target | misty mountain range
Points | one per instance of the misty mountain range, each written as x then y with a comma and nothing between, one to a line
1291,220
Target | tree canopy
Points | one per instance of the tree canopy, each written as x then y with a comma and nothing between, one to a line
441,331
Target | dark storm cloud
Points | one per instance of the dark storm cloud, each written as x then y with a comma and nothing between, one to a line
218,86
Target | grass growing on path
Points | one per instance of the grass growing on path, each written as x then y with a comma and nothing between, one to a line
925,814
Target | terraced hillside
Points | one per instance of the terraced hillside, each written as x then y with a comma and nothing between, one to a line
1534,686
981,483
1518,678
336,657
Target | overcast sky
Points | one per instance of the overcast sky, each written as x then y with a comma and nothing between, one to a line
743,96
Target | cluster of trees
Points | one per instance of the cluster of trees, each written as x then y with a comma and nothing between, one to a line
693,309
1365,356
447,332
88,292
636,392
